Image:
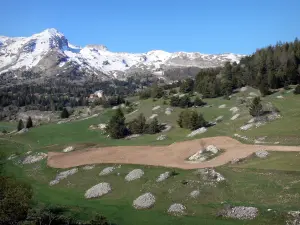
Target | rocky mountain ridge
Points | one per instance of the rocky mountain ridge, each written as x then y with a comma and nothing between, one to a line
49,53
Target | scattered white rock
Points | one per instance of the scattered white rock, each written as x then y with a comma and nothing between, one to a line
247,126
210,174
251,120
212,148
68,149
177,209
153,116
107,171
235,117
98,190
168,111
133,112
53,182
250,97
11,157
197,156
276,143
243,89
34,158
195,193
236,160
253,94
242,213
273,116
240,136
163,177
24,130
88,167
181,95
280,97
219,119
262,154
156,108
132,136
293,218
167,128
234,109
222,106
134,174
144,201
102,126
115,107
198,131
161,137
63,175
29,152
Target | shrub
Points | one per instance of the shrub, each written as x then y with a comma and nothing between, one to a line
64,114
297,90
191,120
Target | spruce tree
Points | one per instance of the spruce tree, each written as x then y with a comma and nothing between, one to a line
116,126
256,107
138,126
64,114
153,127
20,125
29,123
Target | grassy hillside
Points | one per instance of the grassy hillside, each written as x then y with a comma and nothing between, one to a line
270,183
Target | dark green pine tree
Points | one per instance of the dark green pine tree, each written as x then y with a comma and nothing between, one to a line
20,125
116,126
193,123
64,114
138,126
29,123
256,107
153,127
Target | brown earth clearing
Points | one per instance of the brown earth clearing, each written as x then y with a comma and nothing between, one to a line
174,155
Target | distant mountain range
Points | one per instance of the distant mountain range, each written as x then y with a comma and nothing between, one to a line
49,53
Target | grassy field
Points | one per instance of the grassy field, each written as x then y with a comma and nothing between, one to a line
282,130
8,126
263,183
245,185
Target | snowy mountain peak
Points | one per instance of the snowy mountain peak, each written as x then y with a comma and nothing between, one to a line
98,47
49,52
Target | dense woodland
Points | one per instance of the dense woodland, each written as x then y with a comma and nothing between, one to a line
268,68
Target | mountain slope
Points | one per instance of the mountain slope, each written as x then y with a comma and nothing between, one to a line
50,53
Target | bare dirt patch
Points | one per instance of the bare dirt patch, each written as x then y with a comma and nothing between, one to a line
174,155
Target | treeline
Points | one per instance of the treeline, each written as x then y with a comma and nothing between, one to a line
54,95
268,68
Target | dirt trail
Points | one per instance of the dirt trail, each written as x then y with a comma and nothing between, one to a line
173,155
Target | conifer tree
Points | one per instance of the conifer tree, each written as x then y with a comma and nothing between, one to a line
20,125
116,126
256,107
29,123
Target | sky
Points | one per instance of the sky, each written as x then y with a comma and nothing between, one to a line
211,26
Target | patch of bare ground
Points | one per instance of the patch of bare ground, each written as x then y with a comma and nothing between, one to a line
174,155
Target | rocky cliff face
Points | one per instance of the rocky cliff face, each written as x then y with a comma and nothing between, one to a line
50,54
